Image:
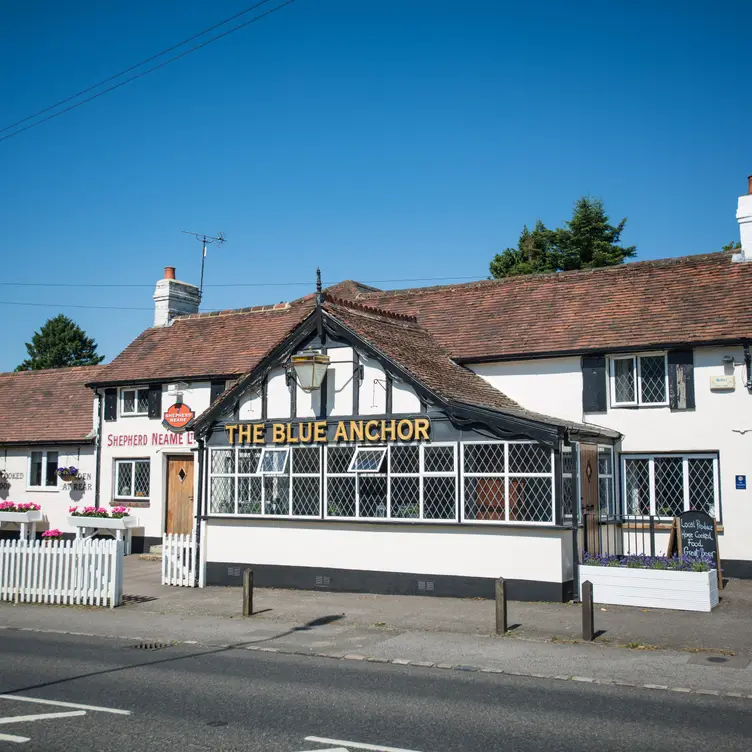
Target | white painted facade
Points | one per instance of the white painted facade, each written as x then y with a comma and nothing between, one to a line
55,500
141,437
721,422
486,552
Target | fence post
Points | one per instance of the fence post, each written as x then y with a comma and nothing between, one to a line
248,592
501,606
652,536
588,629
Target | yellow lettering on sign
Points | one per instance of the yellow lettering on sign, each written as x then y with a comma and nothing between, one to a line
340,434
422,426
389,430
244,433
369,435
319,431
291,438
356,430
278,433
405,430
231,433
258,433
306,432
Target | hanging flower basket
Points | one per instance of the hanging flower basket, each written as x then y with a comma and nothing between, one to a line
67,474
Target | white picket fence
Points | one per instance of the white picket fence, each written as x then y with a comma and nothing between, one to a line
81,572
178,560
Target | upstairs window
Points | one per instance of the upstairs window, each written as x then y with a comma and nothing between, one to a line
43,470
639,380
134,401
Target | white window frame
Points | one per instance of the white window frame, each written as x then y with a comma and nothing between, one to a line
611,477
270,451
636,359
506,476
136,413
685,457
130,461
363,449
43,486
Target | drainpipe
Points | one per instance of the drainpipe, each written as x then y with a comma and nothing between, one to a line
98,451
199,505
748,363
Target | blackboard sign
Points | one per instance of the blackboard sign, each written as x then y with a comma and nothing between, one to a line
697,534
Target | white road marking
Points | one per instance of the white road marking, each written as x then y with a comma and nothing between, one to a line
12,738
40,701
39,717
330,749
356,745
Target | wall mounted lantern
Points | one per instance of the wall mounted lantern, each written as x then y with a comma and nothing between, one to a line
310,367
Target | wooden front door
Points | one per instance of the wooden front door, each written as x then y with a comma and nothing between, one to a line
179,495
589,495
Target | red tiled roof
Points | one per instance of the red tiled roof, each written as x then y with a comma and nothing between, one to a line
692,299
226,343
50,406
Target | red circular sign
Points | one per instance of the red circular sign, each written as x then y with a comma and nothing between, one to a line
178,417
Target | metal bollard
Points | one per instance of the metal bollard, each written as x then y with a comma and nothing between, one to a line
248,592
501,606
588,626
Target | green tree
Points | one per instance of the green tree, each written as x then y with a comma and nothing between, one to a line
587,241
734,245
60,343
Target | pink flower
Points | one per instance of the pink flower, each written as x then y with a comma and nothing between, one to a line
55,533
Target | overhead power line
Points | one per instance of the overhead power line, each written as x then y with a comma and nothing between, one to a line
307,283
148,70
131,68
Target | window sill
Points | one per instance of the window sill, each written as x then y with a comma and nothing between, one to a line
42,489
135,503
133,415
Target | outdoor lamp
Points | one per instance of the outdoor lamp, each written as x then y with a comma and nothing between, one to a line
310,367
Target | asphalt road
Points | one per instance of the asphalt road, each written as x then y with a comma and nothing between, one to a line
192,698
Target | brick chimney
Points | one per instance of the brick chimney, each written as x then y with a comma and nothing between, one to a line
744,217
173,298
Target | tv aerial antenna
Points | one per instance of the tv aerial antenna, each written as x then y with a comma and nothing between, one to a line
205,240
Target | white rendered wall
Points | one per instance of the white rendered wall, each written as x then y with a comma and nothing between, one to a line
404,398
55,501
471,552
142,437
373,388
250,406
554,387
339,381
277,395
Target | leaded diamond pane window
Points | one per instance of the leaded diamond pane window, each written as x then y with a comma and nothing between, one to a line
669,486
248,460
222,461
702,485
653,379
405,497
529,458
438,459
439,498
134,401
637,486
484,458
404,459
624,381
485,499
666,486
249,495
141,479
340,496
274,461
222,499
306,496
132,479
338,458
124,478
372,495
306,460
367,460
276,494
568,470
530,499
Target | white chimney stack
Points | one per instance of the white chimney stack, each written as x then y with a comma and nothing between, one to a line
174,298
744,217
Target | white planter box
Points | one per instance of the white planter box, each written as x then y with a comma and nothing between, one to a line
103,523
32,516
653,588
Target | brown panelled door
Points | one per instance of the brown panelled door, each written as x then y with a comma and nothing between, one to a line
589,493
179,495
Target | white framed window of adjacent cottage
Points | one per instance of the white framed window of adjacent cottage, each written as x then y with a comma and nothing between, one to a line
132,479
639,380
134,402
43,469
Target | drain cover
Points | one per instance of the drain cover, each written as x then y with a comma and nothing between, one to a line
717,659
151,645
720,661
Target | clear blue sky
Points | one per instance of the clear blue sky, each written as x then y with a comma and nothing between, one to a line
381,139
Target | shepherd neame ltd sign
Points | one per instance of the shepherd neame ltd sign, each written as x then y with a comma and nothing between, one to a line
405,429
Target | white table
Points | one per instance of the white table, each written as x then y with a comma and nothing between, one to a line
26,522
119,528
